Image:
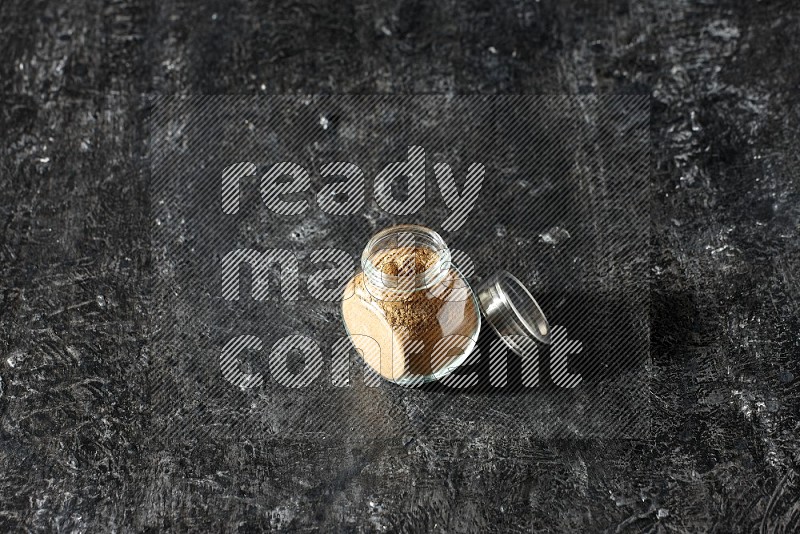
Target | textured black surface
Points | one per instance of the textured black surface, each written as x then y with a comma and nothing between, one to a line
74,446
576,162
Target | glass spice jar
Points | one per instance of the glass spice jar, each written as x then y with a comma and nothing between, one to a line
413,317
410,313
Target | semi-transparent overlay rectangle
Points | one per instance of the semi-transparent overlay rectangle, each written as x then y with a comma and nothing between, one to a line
563,205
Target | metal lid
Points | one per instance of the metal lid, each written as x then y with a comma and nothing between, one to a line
512,312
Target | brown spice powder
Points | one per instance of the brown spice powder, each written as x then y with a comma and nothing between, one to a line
416,320
416,311
408,260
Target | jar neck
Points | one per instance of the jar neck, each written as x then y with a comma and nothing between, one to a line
408,280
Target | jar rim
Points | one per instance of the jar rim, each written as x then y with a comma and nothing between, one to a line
422,280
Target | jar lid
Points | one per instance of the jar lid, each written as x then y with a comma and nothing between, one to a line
512,312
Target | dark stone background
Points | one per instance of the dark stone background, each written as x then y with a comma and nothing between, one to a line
576,162
74,258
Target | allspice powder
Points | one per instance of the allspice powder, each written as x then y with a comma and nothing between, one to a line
416,311
397,331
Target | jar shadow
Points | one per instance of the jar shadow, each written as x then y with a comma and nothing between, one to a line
604,339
